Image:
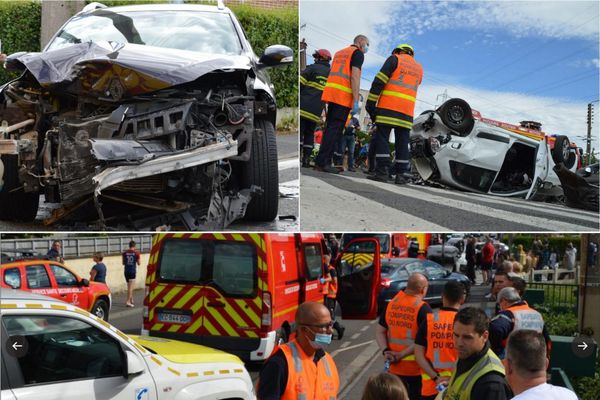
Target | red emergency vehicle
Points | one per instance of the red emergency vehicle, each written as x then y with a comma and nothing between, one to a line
240,292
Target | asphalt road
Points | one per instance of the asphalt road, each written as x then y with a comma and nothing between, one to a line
328,200
287,153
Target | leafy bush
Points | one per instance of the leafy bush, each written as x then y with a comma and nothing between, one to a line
557,242
19,29
263,28
558,322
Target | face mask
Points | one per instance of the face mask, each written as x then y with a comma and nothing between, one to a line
365,48
321,340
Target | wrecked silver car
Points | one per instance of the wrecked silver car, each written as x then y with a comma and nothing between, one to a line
143,114
455,146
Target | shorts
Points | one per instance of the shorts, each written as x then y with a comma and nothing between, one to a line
486,266
129,274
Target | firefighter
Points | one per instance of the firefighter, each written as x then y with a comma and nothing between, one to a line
413,248
312,83
391,104
478,373
301,369
515,314
434,344
397,329
330,287
341,94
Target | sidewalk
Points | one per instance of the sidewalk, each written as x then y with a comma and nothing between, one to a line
120,310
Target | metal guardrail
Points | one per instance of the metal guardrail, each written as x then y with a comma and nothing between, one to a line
564,296
80,247
559,275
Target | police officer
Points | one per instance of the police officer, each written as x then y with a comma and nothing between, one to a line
341,94
312,83
479,373
330,288
301,369
434,344
391,104
397,329
515,314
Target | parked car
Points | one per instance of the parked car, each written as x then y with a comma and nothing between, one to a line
449,253
70,354
54,279
453,145
156,111
395,273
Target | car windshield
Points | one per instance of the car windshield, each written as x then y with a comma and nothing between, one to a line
384,242
199,31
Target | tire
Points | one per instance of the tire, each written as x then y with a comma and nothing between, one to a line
262,170
560,152
100,309
16,205
457,115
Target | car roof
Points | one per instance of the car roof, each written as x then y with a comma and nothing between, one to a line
165,7
22,296
400,260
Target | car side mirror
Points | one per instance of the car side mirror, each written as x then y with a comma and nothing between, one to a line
134,364
276,55
84,282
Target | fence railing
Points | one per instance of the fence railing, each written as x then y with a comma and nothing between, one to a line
562,296
80,247
559,275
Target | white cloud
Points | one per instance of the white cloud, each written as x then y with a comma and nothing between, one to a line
558,116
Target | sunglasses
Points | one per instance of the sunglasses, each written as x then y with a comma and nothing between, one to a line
321,326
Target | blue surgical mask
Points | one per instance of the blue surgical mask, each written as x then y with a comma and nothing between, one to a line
321,340
365,48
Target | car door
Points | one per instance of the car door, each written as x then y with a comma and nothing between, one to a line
69,359
68,287
359,281
436,275
541,167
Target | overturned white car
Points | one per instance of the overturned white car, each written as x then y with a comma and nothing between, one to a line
455,146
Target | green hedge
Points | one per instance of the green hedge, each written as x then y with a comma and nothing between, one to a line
19,29
263,28
557,242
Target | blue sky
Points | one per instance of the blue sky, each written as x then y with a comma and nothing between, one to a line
511,60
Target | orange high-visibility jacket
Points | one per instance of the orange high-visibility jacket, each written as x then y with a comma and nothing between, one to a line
401,317
330,288
338,88
440,348
396,103
307,380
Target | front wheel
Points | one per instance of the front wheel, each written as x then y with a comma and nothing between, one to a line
100,309
457,115
262,170
561,152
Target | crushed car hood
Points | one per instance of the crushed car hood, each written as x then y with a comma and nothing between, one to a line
110,68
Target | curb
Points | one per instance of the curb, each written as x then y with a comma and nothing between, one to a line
350,377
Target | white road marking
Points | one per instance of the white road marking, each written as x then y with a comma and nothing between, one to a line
364,328
338,351
345,344
355,336
287,164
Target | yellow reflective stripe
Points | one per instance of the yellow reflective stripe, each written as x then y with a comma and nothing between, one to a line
411,357
394,121
397,94
315,85
372,97
309,115
382,77
303,80
339,87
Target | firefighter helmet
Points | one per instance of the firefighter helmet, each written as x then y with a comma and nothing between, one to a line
407,48
323,54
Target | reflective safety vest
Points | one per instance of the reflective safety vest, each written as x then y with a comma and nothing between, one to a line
401,318
330,288
440,348
312,83
338,88
396,103
524,317
307,380
460,387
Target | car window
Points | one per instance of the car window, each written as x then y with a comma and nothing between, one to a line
64,349
12,277
434,271
414,267
200,31
234,269
401,274
37,277
62,276
314,260
388,268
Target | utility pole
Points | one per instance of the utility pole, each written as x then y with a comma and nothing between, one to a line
303,55
588,146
